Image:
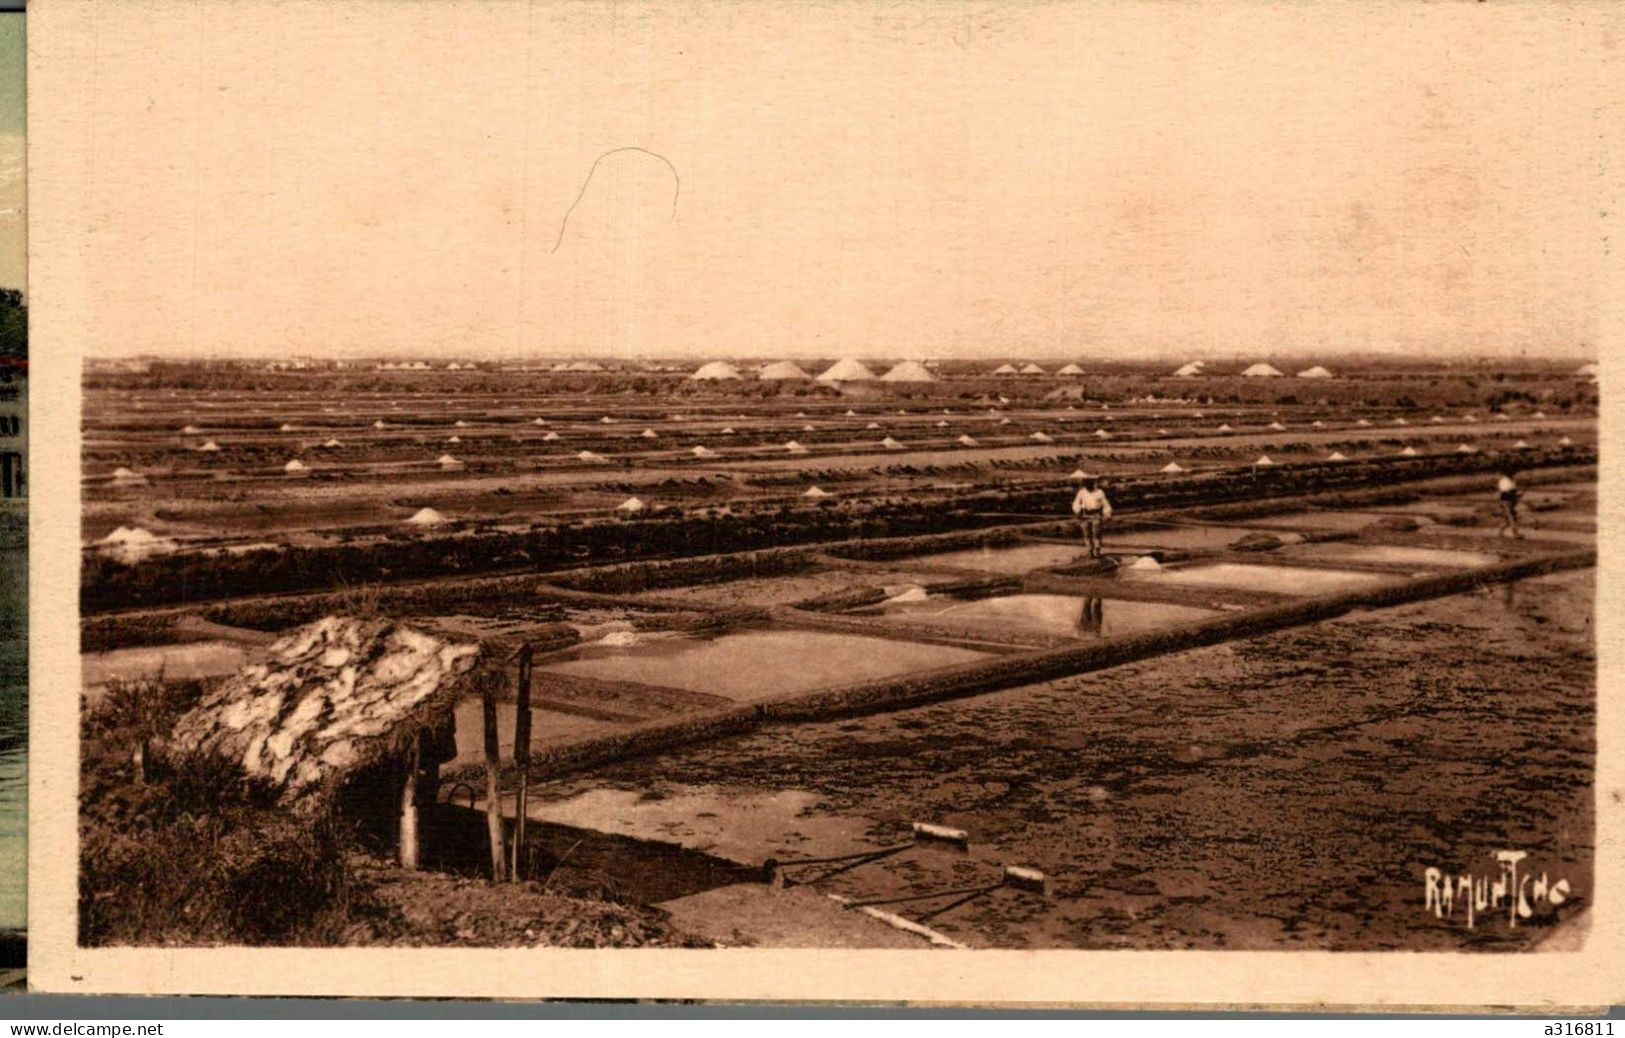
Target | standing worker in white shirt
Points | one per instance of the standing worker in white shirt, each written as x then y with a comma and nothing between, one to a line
1508,488
1092,509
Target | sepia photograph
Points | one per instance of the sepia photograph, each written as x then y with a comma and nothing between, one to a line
936,478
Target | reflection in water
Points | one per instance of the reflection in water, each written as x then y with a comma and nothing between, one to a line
1091,615
1065,616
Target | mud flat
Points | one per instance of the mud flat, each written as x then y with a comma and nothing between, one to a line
1200,799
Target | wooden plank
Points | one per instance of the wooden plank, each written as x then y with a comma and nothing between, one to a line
521,758
493,788
409,807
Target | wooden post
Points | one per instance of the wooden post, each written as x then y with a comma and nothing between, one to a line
521,757
493,785
409,807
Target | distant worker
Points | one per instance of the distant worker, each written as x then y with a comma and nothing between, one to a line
1508,488
1092,509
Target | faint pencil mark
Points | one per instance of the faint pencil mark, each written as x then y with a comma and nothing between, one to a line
677,187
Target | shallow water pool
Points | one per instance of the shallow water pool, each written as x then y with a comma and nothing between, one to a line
1179,536
1013,558
1317,520
1280,580
546,726
1066,616
750,665
1386,554
176,662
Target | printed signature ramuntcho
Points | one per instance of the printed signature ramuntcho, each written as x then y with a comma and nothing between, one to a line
1519,892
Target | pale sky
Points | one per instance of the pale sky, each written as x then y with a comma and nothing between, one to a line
897,180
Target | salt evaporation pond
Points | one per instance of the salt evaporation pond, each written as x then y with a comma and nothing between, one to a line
1067,616
1179,536
1016,558
546,726
1317,520
1405,555
1532,531
182,662
1280,580
749,665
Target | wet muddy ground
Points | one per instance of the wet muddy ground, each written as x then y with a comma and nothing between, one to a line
1288,791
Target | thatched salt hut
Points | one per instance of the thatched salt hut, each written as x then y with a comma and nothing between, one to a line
330,697
337,705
